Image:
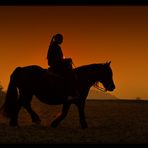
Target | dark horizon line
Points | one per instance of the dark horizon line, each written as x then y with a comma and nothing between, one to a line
73,3
118,99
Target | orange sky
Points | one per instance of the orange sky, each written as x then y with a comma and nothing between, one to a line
92,34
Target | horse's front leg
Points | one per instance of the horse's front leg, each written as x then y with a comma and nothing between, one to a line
81,106
61,115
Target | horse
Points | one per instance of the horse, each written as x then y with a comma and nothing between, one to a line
50,89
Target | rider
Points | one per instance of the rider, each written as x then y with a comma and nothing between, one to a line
56,62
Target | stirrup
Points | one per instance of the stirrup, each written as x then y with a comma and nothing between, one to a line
70,98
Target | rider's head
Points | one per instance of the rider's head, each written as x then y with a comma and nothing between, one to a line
58,38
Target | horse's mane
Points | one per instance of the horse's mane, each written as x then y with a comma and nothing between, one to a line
87,67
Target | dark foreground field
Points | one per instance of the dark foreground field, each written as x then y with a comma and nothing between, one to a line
109,121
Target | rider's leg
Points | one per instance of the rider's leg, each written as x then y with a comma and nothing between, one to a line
71,86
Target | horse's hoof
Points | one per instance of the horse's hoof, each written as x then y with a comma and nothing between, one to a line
37,121
13,124
54,125
84,126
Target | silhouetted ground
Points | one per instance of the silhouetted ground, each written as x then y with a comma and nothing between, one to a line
109,121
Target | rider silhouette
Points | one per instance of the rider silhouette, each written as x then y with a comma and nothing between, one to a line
55,54
56,62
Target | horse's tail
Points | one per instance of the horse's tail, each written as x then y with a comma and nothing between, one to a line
11,100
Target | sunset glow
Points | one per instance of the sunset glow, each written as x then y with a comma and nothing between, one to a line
92,34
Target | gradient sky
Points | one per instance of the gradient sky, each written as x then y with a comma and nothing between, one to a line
92,34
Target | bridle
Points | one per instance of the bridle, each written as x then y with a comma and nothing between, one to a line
96,85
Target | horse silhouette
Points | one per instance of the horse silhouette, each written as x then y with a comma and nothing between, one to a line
50,89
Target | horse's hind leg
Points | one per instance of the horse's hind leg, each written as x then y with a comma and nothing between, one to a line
14,118
61,116
26,103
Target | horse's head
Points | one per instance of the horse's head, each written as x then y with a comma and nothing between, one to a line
107,77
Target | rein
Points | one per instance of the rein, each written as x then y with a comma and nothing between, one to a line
99,88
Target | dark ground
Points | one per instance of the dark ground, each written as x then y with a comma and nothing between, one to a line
109,121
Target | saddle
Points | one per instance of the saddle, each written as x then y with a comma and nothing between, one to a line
67,62
54,74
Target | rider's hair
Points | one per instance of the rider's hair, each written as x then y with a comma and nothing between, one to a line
58,37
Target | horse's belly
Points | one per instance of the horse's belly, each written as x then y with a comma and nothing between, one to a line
51,99
51,96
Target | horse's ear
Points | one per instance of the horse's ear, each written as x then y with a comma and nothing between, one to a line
108,63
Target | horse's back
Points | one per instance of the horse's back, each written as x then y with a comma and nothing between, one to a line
42,83
34,69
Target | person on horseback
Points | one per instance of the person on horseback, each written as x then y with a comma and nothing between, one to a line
58,64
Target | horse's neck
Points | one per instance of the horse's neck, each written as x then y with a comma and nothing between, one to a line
90,74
